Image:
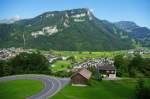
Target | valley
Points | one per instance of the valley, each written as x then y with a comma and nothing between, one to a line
64,49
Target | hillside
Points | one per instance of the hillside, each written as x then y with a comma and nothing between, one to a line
140,34
76,29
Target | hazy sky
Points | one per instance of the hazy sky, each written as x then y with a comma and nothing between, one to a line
111,10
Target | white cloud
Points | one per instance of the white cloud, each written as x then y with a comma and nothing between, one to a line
16,18
11,20
92,10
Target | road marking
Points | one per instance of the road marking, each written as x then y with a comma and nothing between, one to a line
57,89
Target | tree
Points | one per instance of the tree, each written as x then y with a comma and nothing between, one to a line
29,63
5,69
72,59
120,64
135,65
97,75
146,67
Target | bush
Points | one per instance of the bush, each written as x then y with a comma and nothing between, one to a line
142,91
90,52
62,74
72,59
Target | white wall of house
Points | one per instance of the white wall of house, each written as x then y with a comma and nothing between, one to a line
112,76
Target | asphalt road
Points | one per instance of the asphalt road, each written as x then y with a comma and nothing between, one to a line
52,84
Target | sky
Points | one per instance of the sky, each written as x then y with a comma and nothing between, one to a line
137,11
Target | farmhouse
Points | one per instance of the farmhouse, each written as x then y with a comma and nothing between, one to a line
107,71
104,65
81,77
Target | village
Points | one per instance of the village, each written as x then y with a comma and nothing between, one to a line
6,53
103,65
80,71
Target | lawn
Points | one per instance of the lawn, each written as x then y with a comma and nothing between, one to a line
60,65
19,89
123,89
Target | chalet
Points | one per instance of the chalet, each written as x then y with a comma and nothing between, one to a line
81,77
107,71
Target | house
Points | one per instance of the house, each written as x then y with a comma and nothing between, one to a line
81,77
107,71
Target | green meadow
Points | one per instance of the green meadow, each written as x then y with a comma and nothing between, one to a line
120,89
60,65
19,89
79,56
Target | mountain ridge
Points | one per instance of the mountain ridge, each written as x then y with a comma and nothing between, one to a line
76,29
140,34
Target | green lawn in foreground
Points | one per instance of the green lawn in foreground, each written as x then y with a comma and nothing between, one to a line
60,65
123,89
19,89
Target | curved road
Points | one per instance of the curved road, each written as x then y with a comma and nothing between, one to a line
52,84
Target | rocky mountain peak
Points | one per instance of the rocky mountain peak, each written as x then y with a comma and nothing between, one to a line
75,29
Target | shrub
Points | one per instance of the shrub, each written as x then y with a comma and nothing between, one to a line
62,74
142,91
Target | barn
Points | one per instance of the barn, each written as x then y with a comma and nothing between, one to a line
81,77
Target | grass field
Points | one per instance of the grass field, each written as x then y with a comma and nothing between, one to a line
60,65
80,55
123,89
146,56
19,89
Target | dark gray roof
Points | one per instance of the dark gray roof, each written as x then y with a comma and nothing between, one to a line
106,67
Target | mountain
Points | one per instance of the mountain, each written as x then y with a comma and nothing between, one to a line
140,34
76,29
126,25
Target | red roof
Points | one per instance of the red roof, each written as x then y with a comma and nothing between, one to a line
84,72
